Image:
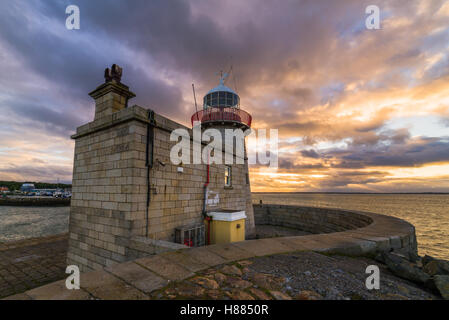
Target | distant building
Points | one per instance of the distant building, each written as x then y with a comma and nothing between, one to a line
4,189
45,192
27,187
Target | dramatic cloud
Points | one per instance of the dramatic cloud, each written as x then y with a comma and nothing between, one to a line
353,106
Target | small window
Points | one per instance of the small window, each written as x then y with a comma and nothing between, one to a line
228,176
229,97
222,99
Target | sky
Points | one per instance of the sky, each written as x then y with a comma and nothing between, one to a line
356,110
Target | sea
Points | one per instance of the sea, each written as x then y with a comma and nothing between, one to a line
17,223
429,213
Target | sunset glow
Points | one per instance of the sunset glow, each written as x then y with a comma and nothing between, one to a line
356,110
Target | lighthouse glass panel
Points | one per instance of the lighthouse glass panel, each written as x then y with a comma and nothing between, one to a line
221,99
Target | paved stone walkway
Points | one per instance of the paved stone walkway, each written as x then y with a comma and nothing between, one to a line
145,277
31,263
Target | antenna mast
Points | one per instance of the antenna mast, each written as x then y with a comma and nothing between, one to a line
194,97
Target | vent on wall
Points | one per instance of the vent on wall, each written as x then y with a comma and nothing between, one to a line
192,236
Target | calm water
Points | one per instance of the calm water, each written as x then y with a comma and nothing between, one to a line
18,223
428,213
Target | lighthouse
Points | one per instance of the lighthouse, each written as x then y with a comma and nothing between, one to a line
221,108
222,111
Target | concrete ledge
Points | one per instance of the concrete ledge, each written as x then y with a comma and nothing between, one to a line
137,279
140,247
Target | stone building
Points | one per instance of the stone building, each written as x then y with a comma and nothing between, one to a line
128,198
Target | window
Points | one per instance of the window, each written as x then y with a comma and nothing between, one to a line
222,99
228,176
229,97
214,101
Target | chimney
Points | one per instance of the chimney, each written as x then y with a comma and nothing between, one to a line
111,96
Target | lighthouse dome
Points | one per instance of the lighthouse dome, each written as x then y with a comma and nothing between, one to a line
221,97
221,87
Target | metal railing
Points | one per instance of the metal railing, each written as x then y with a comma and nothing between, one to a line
223,114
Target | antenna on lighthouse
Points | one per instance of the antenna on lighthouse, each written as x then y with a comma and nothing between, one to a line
223,76
194,97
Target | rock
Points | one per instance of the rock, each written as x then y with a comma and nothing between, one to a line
333,293
188,290
404,269
238,283
308,295
231,270
280,295
401,253
379,257
214,294
220,277
356,296
414,257
430,284
419,264
245,263
170,291
393,296
268,281
403,290
308,273
210,271
246,270
205,282
239,295
442,283
259,294
435,267
426,259
407,254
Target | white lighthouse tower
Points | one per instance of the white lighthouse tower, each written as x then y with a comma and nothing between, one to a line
222,111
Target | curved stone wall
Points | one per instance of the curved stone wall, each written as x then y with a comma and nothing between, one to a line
372,232
309,219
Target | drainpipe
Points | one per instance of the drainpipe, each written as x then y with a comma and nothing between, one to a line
149,162
206,217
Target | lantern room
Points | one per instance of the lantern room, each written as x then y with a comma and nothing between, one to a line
221,106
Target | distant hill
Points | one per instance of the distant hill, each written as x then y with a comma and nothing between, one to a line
15,185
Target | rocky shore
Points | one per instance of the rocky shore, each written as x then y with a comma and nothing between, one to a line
298,276
427,272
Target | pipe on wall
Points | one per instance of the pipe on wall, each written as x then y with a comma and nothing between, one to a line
149,162
206,217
